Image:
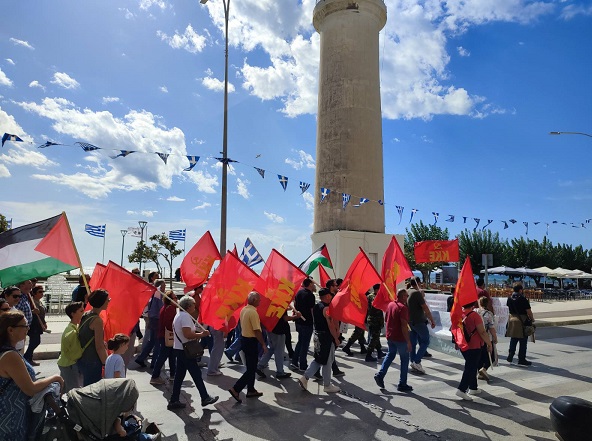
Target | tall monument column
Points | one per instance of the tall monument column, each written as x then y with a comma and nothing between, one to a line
349,130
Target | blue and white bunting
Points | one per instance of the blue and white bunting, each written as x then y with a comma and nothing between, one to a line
513,221
123,154
261,172
283,181
526,225
178,235
48,144
362,202
87,147
324,193
163,156
450,218
477,220
380,202
489,222
413,211
436,215
95,230
9,137
400,211
345,197
464,219
192,161
250,256
304,186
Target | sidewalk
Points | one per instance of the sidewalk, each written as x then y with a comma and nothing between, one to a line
556,313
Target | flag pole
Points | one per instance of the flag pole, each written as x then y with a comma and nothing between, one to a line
77,255
104,234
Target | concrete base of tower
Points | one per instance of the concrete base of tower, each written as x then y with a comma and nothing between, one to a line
343,246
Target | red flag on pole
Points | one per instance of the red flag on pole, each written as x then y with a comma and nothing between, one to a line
350,304
226,293
395,269
437,251
198,262
465,293
128,293
97,276
278,283
323,276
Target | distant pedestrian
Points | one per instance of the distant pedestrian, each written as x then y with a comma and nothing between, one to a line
304,301
398,340
419,314
38,324
68,366
520,315
115,366
375,320
178,275
482,292
489,324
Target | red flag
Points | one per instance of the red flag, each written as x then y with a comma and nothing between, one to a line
226,293
234,251
395,269
128,293
323,276
198,262
59,243
437,251
350,304
97,276
278,283
465,293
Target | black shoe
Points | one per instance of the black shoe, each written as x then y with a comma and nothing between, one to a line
524,363
176,405
209,400
404,388
363,350
338,374
318,375
510,358
140,363
427,355
370,358
348,351
283,375
380,354
261,374
294,367
379,381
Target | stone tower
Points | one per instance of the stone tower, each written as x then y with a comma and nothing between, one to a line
349,131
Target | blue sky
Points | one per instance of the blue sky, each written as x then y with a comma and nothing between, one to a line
470,92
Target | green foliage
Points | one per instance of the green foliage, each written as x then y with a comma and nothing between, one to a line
144,253
418,233
160,245
476,243
3,223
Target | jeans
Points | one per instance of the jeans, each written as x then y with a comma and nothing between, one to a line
301,349
277,343
164,353
393,348
419,332
34,341
522,351
250,348
152,343
91,371
185,364
325,368
216,350
469,376
235,346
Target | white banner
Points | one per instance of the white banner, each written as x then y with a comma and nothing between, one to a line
134,231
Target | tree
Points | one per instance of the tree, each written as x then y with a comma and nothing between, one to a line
144,253
418,233
160,244
3,223
476,243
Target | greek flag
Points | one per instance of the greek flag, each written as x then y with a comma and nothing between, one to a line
346,197
95,230
250,256
283,182
324,193
9,137
177,235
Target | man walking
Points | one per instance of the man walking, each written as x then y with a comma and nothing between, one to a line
375,320
419,314
304,301
397,337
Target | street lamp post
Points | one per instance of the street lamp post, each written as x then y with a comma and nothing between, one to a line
123,233
142,225
570,133
224,203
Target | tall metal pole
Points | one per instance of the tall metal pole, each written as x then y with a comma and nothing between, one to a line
142,226
123,233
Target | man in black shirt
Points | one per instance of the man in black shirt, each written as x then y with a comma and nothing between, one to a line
520,315
303,303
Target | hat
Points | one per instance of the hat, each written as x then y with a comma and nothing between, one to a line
98,298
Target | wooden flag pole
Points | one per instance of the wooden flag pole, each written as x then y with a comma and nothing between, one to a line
77,255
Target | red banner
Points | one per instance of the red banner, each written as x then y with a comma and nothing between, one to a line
97,276
350,304
436,251
198,262
323,276
226,293
465,293
395,269
278,283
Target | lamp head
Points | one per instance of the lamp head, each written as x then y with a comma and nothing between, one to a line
203,2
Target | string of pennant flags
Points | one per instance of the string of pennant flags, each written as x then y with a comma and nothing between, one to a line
325,193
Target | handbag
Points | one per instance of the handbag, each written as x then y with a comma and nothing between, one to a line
528,327
169,338
191,348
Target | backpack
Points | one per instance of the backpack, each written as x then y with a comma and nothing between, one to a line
465,332
71,347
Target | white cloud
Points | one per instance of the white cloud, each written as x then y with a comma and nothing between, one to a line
216,85
36,84
274,217
163,89
463,52
308,200
147,4
4,80
110,99
202,206
189,40
571,11
198,141
10,61
127,13
145,213
241,187
23,43
175,199
64,80
4,172
304,160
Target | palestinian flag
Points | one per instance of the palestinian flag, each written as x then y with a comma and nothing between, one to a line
319,257
41,249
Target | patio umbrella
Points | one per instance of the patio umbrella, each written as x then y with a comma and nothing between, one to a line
545,270
501,270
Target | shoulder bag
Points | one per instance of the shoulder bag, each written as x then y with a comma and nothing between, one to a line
192,348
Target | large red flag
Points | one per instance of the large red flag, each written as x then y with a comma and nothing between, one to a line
226,293
465,293
97,276
437,251
395,269
198,262
128,293
278,283
350,304
323,276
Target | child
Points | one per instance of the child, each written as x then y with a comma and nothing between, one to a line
68,368
115,366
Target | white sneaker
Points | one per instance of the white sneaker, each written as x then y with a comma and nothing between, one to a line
463,395
417,367
303,382
475,392
331,389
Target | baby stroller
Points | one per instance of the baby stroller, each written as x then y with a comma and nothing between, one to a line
89,413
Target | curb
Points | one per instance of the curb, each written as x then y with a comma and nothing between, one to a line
547,324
